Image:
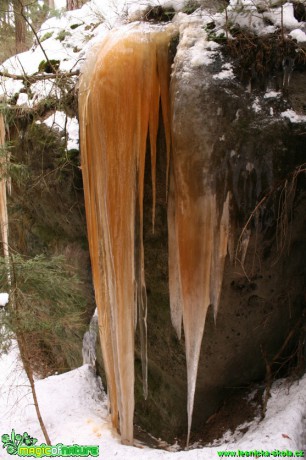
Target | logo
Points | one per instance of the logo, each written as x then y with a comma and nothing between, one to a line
25,446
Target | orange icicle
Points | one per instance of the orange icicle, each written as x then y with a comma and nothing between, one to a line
119,103
121,90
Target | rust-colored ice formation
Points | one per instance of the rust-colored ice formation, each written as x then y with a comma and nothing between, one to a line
121,89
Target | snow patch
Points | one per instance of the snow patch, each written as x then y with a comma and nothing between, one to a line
226,72
4,298
61,122
272,95
293,116
256,106
298,35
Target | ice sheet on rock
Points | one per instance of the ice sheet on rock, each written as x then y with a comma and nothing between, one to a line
90,341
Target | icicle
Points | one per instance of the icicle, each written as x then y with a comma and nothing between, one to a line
198,236
3,186
89,341
175,289
219,254
120,94
119,103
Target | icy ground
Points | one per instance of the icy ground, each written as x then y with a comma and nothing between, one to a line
74,409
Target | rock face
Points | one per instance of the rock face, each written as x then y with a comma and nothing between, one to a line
252,151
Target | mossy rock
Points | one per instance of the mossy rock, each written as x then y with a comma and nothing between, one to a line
158,14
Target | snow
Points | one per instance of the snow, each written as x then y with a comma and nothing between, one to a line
69,37
272,95
298,35
289,21
293,116
58,4
61,122
226,72
256,106
74,409
253,15
4,298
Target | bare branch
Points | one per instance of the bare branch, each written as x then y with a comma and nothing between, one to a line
36,77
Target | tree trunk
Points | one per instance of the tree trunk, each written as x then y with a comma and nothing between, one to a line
20,26
74,4
49,4
22,344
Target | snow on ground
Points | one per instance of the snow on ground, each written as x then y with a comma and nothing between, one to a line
74,409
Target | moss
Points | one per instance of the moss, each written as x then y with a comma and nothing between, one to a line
50,66
46,36
75,26
62,35
261,58
190,7
158,14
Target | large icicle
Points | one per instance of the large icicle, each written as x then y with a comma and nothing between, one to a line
197,251
119,103
3,185
198,235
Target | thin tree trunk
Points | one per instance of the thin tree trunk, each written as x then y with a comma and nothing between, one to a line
28,369
49,4
24,349
20,26
74,4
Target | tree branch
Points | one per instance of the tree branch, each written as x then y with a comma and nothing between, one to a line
35,77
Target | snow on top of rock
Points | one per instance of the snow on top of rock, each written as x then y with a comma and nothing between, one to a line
68,37
263,16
